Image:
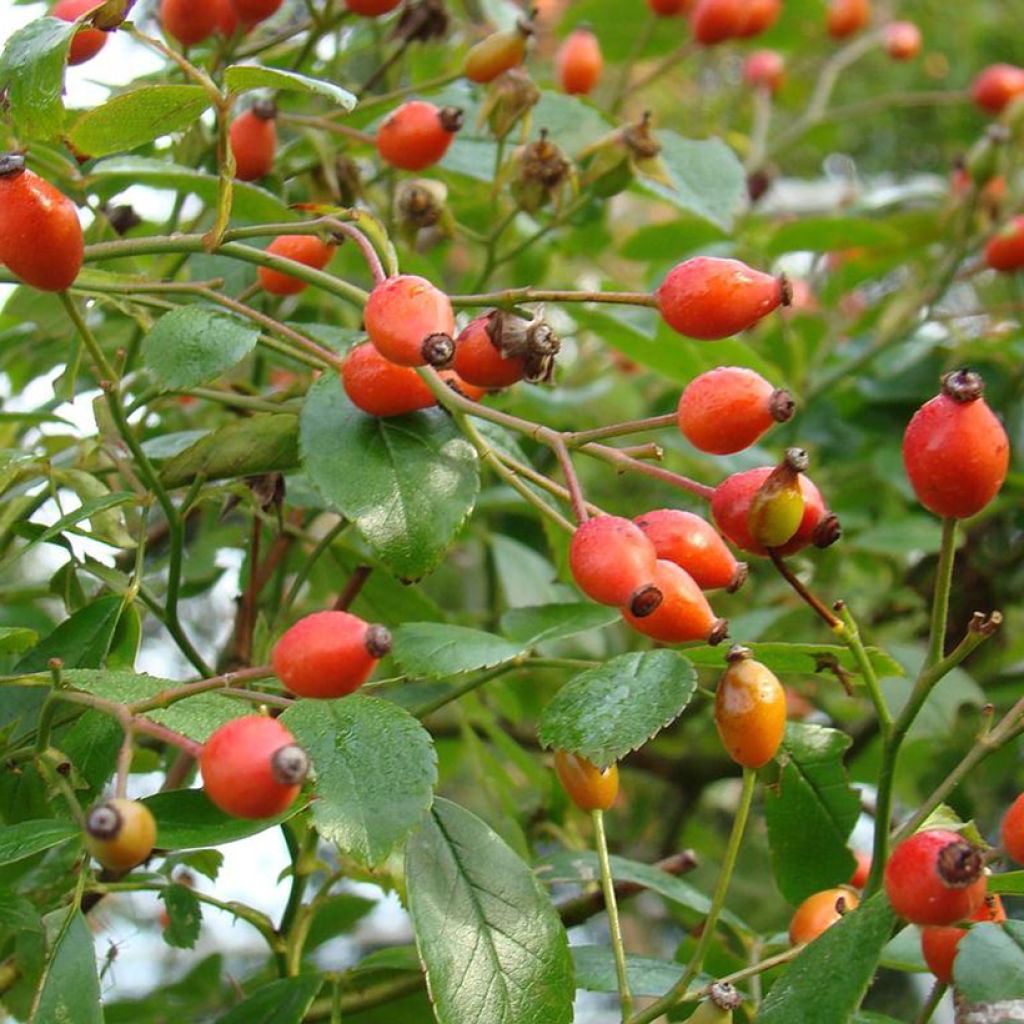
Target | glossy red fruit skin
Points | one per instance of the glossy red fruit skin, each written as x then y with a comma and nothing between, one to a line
371,8
413,136
730,508
306,249
902,40
250,12
846,17
579,62
918,892
997,86
402,312
383,388
956,455
726,409
327,654
610,559
87,42
760,16
1005,250
189,21
707,297
478,360
253,142
693,544
818,913
40,235
684,613
669,8
765,69
227,18
235,763
859,878
1012,831
715,21
939,945
589,788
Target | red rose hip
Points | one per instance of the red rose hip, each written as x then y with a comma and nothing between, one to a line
727,409
41,238
579,62
955,450
253,140
329,654
997,86
708,297
417,134
715,21
189,21
669,8
252,767
765,69
612,561
249,12
1012,831
694,545
760,16
1005,250
87,42
682,614
410,321
902,40
478,360
305,249
846,17
939,945
936,878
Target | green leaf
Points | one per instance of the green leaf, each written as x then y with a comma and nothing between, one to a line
185,819
15,639
989,964
81,641
207,862
707,178
375,771
595,972
811,811
489,938
433,650
17,913
543,622
336,915
285,1001
83,512
246,447
195,718
606,712
137,117
70,989
192,345
407,482
855,942
802,658
29,837
184,916
830,234
108,177
241,77
32,72
1010,883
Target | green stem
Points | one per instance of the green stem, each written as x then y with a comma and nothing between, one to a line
614,927
932,1003
849,633
943,586
515,296
430,706
679,989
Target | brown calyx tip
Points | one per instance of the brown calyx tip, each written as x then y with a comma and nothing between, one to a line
11,165
645,600
827,532
265,110
527,26
104,821
959,864
842,906
541,340
377,641
781,405
963,385
451,118
797,460
739,577
438,350
289,765
785,291
719,631
724,996
738,653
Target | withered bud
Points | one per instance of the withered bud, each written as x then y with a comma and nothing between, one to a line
509,98
827,532
719,632
122,218
420,203
543,163
11,165
438,350
265,110
451,119
781,405
640,140
963,385
533,339
378,641
289,765
421,21
645,600
959,864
